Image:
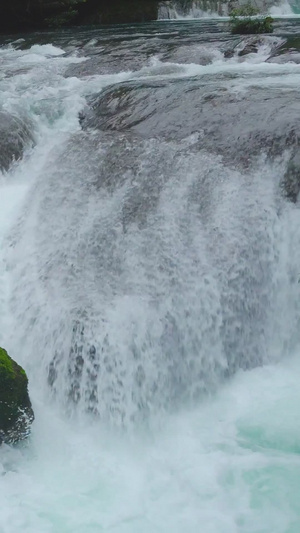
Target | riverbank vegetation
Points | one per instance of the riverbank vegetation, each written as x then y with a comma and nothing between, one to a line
17,15
246,20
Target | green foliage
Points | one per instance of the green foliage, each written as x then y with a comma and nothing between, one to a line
244,20
61,19
38,14
6,364
67,12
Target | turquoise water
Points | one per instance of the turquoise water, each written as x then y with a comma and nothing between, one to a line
295,7
232,464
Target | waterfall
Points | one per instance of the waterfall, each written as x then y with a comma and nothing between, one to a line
149,278
179,9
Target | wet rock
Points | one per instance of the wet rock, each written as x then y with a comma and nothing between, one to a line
250,48
15,135
287,51
252,45
287,57
242,48
291,179
228,54
16,413
173,111
198,54
125,53
110,62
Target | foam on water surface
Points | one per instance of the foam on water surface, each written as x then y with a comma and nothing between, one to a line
231,465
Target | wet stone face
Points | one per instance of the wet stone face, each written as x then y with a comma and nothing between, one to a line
240,127
15,136
16,413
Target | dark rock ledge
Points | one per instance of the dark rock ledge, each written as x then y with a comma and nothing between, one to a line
16,413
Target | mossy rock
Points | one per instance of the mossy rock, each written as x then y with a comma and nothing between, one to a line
251,27
16,414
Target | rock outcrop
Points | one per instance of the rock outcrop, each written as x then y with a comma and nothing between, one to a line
173,111
16,413
291,178
15,135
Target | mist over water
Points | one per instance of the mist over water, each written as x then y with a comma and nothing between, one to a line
150,254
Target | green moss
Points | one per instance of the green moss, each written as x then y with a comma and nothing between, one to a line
15,406
252,26
242,21
6,363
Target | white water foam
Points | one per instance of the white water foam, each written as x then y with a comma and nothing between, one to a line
217,10
284,8
231,466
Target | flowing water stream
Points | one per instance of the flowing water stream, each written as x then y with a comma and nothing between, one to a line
150,259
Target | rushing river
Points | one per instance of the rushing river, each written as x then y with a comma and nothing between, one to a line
149,278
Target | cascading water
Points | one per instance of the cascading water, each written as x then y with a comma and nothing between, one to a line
149,280
186,9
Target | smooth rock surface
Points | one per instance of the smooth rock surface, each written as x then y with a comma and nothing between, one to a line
176,110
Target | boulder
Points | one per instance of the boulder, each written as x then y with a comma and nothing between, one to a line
14,136
16,413
175,110
291,178
249,48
